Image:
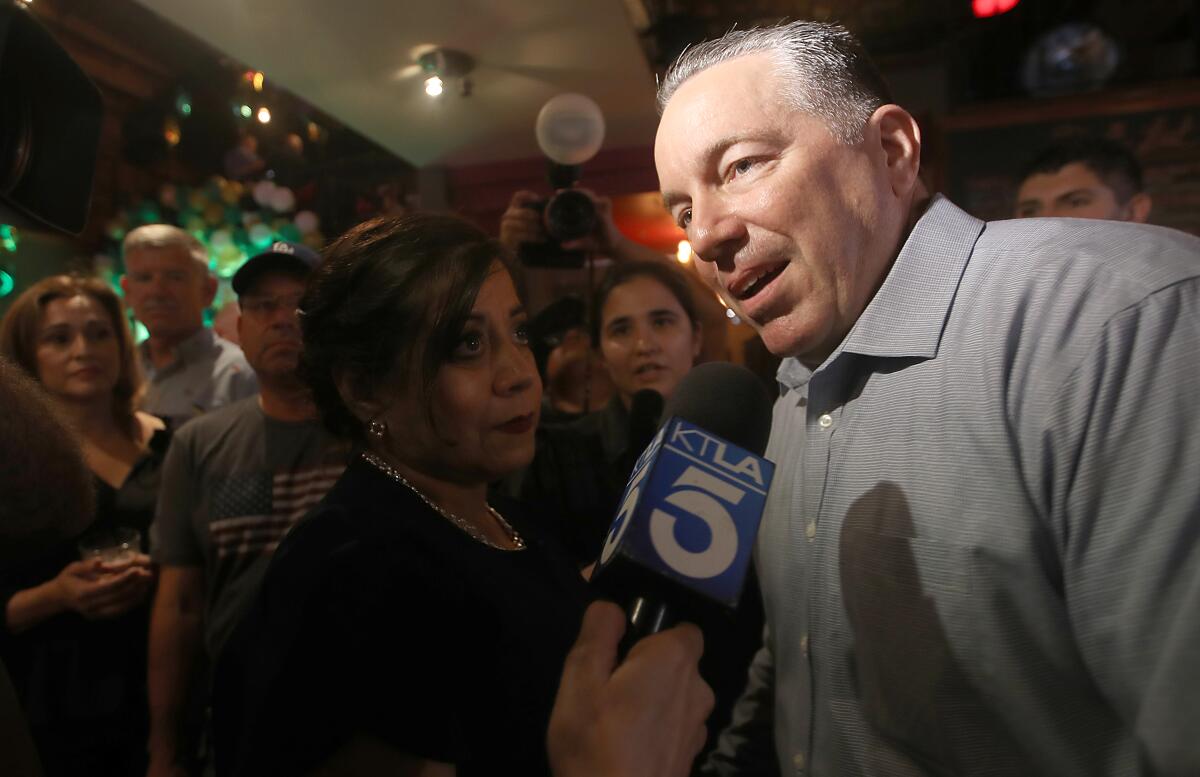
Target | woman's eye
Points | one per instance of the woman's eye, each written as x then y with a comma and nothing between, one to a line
521,334
469,345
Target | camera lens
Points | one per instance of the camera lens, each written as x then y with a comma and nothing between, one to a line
16,133
570,215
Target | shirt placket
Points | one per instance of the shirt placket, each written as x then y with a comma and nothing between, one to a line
822,418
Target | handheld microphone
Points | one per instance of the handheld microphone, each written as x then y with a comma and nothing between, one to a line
680,545
645,412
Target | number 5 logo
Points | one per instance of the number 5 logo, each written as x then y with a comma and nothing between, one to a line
622,521
693,492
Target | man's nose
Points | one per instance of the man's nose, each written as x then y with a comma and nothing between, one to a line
715,231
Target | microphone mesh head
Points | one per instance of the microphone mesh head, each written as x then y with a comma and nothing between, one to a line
727,400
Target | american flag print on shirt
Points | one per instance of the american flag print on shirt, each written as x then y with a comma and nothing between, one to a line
253,512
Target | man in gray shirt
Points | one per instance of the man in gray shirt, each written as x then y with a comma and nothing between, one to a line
980,553
233,483
190,369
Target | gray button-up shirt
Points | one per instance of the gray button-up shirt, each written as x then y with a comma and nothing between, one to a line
981,552
209,372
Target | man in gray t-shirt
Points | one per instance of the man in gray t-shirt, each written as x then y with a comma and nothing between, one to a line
234,481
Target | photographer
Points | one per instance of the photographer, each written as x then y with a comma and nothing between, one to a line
524,222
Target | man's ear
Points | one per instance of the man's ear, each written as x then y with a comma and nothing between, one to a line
1138,208
210,289
899,141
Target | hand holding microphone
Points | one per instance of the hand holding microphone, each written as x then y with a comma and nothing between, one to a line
643,717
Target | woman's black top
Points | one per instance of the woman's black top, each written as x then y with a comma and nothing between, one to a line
379,617
83,683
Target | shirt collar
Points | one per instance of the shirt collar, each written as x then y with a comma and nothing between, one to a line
908,314
188,349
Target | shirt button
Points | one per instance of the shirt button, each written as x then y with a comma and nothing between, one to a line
798,761
810,531
825,420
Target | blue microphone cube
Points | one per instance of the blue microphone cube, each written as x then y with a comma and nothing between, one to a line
691,510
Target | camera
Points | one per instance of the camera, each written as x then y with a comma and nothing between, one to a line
50,116
567,215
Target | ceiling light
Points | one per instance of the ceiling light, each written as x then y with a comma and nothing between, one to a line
442,65
264,115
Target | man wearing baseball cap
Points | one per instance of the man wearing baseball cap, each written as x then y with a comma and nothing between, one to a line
234,481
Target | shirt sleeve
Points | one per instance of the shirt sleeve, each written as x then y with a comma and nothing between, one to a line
173,540
1124,488
340,643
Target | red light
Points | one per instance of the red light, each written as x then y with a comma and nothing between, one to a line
985,8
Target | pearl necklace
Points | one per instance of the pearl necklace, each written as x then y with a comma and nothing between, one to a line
468,528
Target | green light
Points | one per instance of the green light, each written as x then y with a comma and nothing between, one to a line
246,112
140,333
8,237
6,284
185,109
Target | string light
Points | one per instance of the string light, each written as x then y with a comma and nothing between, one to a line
257,80
264,115
684,252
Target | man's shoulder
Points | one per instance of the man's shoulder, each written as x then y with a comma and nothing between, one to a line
1116,259
228,355
208,427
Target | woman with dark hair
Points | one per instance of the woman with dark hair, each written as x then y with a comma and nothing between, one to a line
74,630
649,335
408,625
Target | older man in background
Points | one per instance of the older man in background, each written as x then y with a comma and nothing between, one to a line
190,369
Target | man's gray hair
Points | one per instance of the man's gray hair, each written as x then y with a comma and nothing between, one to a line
825,71
166,236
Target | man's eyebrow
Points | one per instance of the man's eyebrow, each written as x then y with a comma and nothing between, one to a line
712,150
1073,193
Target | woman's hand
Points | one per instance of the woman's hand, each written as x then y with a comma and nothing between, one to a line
98,590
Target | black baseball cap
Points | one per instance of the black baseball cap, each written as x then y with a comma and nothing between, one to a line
282,256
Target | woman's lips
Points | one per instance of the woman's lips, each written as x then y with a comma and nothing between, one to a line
519,425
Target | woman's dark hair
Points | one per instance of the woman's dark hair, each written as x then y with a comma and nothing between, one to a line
389,303
662,272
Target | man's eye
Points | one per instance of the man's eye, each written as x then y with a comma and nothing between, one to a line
685,218
742,166
521,334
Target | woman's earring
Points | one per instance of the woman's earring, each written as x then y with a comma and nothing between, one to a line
377,429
